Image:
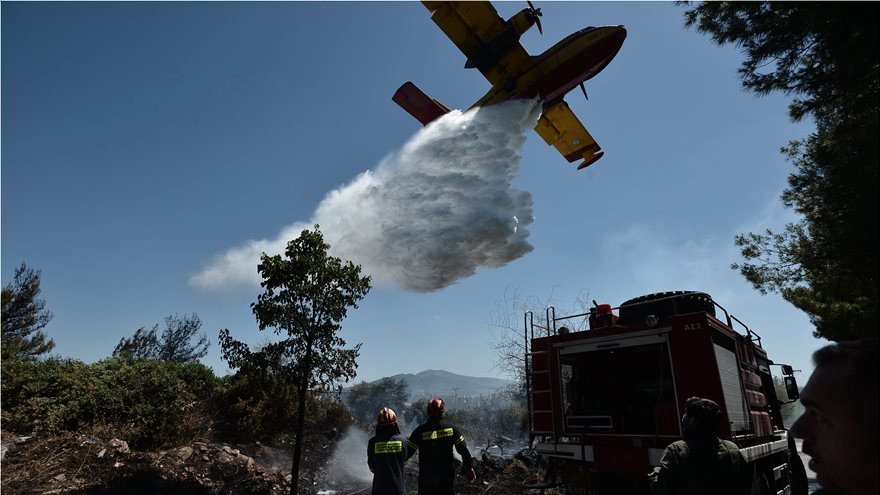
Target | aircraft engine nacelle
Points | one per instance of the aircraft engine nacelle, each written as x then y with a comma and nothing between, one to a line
507,39
522,21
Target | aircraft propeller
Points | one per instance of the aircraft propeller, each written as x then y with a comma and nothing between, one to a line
584,89
536,14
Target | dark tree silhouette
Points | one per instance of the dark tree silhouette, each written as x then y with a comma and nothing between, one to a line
174,345
24,315
366,399
824,54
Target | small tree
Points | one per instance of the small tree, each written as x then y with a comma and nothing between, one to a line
365,399
307,295
144,344
174,346
506,325
417,411
24,315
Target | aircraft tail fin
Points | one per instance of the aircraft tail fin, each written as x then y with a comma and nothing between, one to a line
421,106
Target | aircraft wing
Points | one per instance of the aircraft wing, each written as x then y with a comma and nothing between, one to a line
484,38
560,128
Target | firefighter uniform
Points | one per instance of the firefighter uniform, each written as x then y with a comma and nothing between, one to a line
386,454
434,441
687,471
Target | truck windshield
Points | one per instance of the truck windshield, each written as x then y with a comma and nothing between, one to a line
620,390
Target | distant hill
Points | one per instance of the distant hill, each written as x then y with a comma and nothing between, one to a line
429,383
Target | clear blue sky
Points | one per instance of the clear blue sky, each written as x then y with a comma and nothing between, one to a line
141,140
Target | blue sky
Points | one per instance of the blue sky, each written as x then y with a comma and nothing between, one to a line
142,140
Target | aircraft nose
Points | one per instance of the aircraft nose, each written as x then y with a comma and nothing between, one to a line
619,34
615,35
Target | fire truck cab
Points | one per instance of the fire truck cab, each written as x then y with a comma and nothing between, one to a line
606,391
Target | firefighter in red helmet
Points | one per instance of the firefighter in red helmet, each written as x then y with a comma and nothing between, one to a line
387,451
434,440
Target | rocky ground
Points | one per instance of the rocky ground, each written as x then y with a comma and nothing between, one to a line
85,464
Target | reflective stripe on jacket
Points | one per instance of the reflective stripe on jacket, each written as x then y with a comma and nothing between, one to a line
386,454
434,441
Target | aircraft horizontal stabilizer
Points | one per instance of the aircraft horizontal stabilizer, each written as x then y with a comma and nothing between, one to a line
421,106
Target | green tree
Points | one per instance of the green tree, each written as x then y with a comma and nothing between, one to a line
781,391
417,412
306,295
825,54
366,399
24,315
174,345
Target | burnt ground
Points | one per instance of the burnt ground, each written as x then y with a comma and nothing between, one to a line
83,464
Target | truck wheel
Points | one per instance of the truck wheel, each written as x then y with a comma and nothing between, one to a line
667,304
798,480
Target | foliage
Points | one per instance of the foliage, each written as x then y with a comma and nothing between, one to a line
779,386
144,344
502,414
826,56
150,402
366,399
256,403
257,406
24,315
306,295
417,412
173,346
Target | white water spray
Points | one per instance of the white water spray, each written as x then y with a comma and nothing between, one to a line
428,215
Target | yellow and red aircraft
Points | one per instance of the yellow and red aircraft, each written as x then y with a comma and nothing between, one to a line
492,46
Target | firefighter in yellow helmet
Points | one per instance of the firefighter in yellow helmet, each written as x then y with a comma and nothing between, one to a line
435,440
386,453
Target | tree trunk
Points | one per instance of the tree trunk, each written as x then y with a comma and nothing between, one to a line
300,421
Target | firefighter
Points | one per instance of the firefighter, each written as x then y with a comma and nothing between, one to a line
701,463
839,425
434,440
386,453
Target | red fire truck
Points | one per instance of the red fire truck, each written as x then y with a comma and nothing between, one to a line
606,391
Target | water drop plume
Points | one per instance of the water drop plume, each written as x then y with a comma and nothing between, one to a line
431,213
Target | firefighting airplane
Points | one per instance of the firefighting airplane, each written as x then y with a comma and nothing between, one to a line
492,46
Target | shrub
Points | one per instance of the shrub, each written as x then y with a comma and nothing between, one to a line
148,402
261,406
501,414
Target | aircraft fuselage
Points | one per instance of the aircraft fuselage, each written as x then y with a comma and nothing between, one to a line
575,59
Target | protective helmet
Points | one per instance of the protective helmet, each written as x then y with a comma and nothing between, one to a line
436,407
386,416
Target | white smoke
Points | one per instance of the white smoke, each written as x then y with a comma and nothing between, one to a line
348,465
428,215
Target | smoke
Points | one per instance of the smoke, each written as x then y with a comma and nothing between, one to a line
348,466
428,215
